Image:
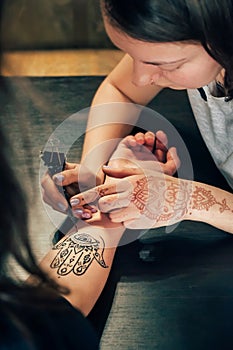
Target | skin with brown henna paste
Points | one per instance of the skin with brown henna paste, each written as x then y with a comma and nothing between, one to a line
153,199
103,192
161,201
94,195
204,199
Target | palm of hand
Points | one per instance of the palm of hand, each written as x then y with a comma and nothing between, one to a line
132,157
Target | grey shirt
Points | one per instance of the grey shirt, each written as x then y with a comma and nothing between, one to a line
215,120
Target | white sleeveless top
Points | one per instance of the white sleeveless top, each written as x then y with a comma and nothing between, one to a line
214,118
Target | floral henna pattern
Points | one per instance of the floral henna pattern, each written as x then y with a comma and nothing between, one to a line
178,196
155,204
77,253
140,194
147,197
159,201
203,199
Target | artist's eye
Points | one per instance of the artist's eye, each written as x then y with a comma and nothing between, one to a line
172,69
178,67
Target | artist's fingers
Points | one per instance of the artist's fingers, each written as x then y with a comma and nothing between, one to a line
129,141
84,212
149,140
121,172
51,195
161,146
75,174
70,166
140,138
57,204
66,177
161,140
172,163
92,208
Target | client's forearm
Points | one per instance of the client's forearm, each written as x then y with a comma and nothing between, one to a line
211,205
82,260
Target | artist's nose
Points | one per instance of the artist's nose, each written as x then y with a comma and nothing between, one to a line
143,74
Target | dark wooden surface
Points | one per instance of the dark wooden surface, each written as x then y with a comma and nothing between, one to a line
165,291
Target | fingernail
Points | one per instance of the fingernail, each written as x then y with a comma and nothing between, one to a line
74,202
106,167
86,215
78,211
58,178
94,210
61,206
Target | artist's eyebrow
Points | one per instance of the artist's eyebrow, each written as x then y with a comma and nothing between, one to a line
160,63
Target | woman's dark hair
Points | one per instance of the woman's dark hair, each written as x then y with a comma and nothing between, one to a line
209,22
15,245
14,238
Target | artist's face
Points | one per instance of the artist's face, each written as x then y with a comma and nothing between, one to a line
176,65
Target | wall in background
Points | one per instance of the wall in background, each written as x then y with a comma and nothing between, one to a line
52,24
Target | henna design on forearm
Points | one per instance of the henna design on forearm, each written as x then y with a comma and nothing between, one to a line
76,254
160,200
204,199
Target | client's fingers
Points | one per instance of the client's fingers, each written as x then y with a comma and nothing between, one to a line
124,214
92,195
114,201
57,204
161,140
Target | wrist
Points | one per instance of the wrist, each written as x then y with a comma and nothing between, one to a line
100,226
211,205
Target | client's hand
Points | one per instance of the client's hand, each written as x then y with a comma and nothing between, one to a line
149,200
131,158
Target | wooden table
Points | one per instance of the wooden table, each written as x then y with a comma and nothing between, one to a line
60,62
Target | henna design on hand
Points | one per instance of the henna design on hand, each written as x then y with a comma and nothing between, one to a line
161,201
140,194
203,199
103,192
77,253
93,195
178,195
